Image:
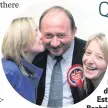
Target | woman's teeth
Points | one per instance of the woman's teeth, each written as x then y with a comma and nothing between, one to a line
91,68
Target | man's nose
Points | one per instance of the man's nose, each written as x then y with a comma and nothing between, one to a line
55,42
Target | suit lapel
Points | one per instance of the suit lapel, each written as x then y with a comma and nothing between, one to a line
77,59
78,52
41,61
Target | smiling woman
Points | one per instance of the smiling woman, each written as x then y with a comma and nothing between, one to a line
95,59
21,43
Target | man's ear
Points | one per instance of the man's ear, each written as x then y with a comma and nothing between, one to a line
74,32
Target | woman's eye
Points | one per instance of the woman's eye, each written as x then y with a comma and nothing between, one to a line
100,57
87,52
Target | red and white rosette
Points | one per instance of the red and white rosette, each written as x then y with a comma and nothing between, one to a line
75,76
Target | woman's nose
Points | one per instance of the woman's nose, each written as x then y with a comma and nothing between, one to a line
90,60
39,34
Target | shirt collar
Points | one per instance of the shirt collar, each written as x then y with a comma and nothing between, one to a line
66,56
36,71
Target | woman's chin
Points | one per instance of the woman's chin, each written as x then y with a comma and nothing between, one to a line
91,74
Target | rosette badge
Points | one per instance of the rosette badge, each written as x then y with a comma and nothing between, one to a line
75,76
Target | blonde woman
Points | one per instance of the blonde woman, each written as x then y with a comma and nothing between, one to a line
21,44
95,60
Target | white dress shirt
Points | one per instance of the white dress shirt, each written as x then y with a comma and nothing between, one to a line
66,63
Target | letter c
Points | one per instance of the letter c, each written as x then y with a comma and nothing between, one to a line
104,2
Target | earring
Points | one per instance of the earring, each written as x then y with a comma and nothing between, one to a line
26,52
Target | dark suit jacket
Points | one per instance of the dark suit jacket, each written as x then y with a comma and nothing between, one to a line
41,61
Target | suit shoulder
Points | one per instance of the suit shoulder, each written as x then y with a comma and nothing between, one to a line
40,57
80,42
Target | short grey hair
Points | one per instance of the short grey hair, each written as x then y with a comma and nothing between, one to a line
59,8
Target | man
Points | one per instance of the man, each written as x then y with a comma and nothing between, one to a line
58,35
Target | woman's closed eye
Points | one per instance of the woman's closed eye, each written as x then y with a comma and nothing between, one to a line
99,57
87,52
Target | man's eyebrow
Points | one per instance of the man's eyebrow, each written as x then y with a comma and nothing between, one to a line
60,33
48,33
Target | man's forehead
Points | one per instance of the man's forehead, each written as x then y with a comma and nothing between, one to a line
55,12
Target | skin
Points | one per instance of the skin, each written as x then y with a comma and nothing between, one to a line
56,32
37,47
93,61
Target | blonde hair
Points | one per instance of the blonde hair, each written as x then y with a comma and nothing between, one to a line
20,35
102,41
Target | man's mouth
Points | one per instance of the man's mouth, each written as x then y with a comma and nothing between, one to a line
56,48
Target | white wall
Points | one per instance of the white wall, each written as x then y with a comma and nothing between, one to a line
85,13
